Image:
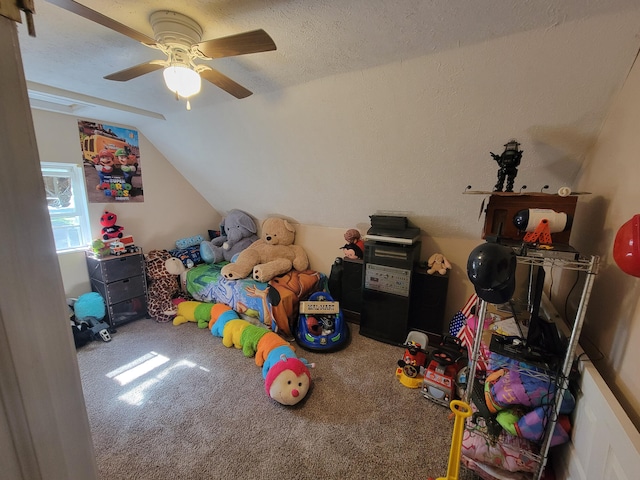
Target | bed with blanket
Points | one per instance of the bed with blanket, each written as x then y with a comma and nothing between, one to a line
274,304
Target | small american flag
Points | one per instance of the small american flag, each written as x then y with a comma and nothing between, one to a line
466,310
466,337
460,318
457,322
458,328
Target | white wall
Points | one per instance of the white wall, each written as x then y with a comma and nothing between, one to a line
612,327
172,208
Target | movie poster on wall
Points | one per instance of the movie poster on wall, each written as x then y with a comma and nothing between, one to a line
112,167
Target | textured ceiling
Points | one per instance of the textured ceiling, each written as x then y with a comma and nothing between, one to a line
413,92
315,39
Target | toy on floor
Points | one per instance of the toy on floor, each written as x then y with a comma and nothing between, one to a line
461,410
287,377
321,325
90,310
410,370
193,311
445,361
162,270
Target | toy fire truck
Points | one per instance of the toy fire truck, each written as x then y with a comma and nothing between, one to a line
445,361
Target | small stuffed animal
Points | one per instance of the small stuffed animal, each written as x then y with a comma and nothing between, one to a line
238,231
162,270
99,248
437,263
109,228
273,254
354,248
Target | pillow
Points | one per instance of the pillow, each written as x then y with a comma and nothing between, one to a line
189,241
189,256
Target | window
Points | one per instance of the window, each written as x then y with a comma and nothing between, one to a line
67,202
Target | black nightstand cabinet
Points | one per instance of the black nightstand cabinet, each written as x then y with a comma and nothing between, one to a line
428,301
122,283
351,291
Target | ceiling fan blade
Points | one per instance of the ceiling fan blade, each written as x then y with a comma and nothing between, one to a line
225,83
101,19
136,71
240,44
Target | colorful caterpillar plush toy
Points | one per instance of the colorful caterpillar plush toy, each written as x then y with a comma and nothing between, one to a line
287,377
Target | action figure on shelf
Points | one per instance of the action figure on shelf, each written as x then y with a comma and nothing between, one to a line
508,161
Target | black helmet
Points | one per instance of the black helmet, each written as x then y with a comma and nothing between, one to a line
491,268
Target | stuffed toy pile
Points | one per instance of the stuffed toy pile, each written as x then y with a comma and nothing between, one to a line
523,402
287,378
238,232
272,255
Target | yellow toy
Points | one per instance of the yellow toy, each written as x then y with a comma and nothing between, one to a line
232,332
461,410
192,311
186,313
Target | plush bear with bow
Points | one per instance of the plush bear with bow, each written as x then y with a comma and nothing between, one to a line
162,271
272,255
238,232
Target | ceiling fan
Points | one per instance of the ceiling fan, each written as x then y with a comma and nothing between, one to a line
180,39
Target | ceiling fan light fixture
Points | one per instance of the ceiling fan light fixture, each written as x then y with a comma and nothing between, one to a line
182,80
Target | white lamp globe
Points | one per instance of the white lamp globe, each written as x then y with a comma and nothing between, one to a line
182,80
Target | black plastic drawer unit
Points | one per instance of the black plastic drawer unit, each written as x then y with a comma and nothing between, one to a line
122,283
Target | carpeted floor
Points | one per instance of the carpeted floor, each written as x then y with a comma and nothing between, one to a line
171,402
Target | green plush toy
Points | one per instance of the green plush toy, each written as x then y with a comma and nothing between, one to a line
99,248
203,314
250,338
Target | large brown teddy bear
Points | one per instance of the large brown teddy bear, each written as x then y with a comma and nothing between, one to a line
272,255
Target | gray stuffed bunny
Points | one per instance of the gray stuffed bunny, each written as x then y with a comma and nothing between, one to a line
238,231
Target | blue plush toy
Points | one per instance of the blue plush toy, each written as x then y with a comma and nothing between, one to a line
276,355
90,309
89,305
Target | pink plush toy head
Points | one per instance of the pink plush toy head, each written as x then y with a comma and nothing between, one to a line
288,381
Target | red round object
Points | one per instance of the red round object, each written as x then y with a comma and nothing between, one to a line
626,247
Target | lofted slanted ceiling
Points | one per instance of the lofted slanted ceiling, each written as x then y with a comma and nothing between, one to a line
366,105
